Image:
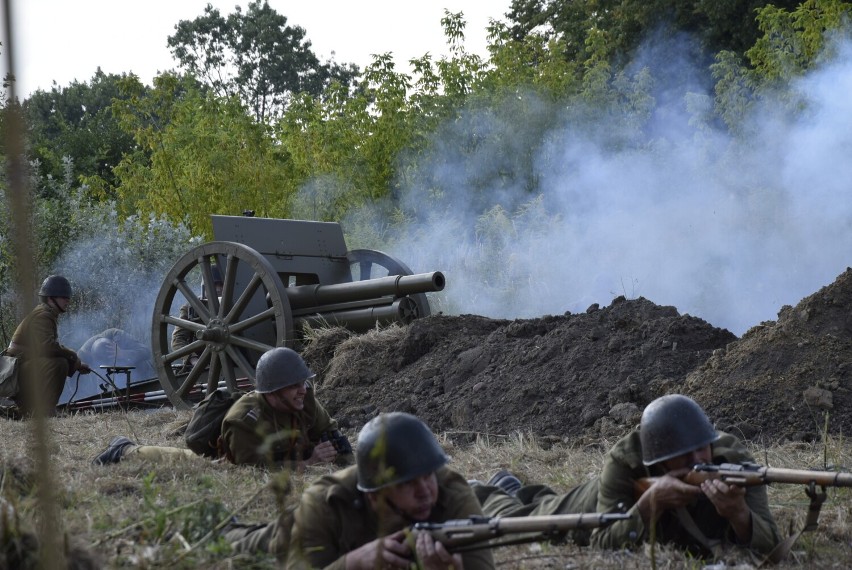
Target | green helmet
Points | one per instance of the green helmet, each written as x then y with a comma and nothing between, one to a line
55,286
673,425
279,368
394,448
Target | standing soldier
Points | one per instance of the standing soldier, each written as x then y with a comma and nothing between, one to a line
45,364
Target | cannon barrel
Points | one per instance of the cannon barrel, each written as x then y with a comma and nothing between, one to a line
307,296
362,319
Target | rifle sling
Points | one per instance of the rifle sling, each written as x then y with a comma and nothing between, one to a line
689,525
781,551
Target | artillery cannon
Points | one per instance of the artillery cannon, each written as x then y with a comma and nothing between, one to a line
277,276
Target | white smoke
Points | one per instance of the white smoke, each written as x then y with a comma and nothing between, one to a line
725,229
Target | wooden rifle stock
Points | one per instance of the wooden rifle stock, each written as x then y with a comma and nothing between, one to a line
751,474
477,532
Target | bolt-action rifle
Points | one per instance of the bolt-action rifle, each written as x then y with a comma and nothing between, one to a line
751,474
474,533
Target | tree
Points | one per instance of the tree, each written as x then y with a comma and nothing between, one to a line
792,42
729,25
254,55
197,155
75,126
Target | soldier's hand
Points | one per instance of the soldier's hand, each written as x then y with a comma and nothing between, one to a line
667,492
323,453
389,552
434,556
84,368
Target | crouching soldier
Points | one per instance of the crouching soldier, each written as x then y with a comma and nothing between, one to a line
44,362
357,518
279,424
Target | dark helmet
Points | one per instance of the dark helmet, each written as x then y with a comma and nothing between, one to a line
55,286
279,368
673,425
395,448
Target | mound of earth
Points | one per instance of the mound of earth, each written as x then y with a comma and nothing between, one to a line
783,378
589,375
569,376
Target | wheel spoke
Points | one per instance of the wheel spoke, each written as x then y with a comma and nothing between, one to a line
250,344
365,270
193,300
213,373
228,372
228,284
209,285
244,299
192,378
251,321
241,362
183,351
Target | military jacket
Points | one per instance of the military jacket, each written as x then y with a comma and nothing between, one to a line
623,466
181,336
40,328
253,433
334,518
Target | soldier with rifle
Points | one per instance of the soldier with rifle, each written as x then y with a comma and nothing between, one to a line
674,435
398,504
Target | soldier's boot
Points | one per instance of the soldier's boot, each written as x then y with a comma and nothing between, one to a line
114,452
506,481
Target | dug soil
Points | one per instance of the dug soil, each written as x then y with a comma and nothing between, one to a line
586,377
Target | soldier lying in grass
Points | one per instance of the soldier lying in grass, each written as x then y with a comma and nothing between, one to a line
278,424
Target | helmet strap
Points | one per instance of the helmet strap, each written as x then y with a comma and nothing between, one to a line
52,302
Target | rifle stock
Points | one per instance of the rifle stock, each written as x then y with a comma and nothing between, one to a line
476,532
751,474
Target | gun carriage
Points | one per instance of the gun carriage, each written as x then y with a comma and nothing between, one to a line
277,276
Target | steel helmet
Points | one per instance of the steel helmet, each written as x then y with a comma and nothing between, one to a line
673,425
279,368
55,286
394,448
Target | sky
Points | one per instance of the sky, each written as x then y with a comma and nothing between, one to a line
65,40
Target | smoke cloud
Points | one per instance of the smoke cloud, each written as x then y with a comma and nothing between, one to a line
671,209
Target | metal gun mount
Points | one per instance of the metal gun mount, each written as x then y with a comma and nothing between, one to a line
277,276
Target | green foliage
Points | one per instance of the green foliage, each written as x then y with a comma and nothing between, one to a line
728,25
254,56
75,126
198,155
792,43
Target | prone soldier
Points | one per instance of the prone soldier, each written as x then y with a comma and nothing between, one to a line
359,518
279,424
674,435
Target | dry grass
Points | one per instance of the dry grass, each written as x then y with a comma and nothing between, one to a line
140,514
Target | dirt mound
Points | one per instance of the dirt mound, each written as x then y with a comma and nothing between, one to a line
782,377
589,375
565,376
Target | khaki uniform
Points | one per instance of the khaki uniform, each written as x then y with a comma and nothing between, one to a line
181,336
537,500
334,518
623,466
254,433
43,360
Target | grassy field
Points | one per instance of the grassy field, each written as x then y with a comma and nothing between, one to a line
144,515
